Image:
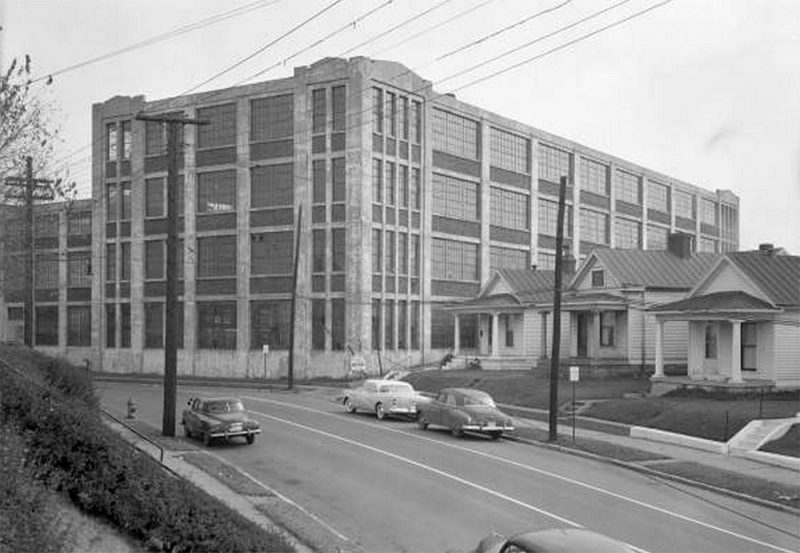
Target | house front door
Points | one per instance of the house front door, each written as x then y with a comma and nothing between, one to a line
583,334
749,346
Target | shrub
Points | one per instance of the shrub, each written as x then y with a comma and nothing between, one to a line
69,449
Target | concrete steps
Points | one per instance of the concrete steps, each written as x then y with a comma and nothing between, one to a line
759,432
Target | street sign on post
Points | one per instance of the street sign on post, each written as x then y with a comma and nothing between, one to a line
574,376
265,351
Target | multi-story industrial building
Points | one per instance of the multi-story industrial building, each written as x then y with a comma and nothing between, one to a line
406,199
62,277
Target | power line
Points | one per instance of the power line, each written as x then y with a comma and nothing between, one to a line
565,45
393,29
534,41
257,5
265,47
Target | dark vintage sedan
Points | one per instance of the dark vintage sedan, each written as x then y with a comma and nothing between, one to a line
555,540
465,410
215,418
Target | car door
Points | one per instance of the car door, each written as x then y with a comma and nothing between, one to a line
448,408
192,419
434,414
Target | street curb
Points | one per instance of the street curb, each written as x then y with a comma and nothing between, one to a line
659,474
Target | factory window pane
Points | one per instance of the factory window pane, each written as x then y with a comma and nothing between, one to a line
272,186
272,118
216,325
216,191
456,135
221,128
272,253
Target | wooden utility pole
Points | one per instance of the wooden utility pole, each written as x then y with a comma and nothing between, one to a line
173,123
31,190
292,314
556,349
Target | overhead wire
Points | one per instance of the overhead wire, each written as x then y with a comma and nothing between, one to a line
210,20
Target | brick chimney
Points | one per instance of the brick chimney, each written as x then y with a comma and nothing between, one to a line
680,244
766,248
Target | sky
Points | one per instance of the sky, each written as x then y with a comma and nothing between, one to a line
705,91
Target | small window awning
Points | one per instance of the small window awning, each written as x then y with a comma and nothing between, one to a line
487,304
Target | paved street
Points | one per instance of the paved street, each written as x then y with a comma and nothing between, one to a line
392,487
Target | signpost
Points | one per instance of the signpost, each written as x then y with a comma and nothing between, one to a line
265,350
574,376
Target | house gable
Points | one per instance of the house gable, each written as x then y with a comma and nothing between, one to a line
499,286
583,280
726,277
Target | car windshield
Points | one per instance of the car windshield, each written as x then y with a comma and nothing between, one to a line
478,399
224,406
396,388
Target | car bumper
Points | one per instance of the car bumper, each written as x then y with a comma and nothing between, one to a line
393,410
235,433
487,428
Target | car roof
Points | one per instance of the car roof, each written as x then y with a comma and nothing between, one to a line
213,399
566,540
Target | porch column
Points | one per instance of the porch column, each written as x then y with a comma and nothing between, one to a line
594,336
495,334
736,351
457,335
659,348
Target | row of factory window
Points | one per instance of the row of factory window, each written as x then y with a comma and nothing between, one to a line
45,225
396,184
271,118
395,253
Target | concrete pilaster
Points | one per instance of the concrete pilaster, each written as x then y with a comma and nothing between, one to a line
243,235
485,203
659,353
533,209
189,246
736,351
137,244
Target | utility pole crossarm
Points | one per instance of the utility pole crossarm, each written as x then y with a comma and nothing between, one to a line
171,119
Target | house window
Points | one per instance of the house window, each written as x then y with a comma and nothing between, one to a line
111,142
318,113
79,267
271,253
598,278
216,256
455,198
126,140
47,326
608,321
154,320
711,341
338,250
509,151
79,325
337,324
216,191
456,135
270,186
272,118
216,325
269,324
509,209
749,346
318,324
594,177
221,128
509,331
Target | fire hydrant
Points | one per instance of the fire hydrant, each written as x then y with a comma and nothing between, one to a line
131,409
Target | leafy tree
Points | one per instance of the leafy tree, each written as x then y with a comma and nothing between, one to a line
26,129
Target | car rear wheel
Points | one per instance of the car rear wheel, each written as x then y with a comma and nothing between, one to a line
457,432
422,422
348,405
379,412
251,438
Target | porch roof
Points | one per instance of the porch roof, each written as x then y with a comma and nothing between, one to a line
483,304
718,303
594,300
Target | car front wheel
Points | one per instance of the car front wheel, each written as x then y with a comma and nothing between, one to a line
348,405
251,438
379,412
422,422
206,439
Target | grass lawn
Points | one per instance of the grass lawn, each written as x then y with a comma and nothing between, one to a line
523,388
714,416
788,444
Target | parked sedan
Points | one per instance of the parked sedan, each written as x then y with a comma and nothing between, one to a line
224,417
382,397
465,410
556,540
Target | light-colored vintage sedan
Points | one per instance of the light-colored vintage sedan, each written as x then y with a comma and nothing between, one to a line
465,410
555,540
382,397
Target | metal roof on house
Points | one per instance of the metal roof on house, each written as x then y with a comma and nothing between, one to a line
728,301
778,276
655,268
530,285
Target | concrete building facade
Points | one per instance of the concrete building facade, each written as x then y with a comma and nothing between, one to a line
406,199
